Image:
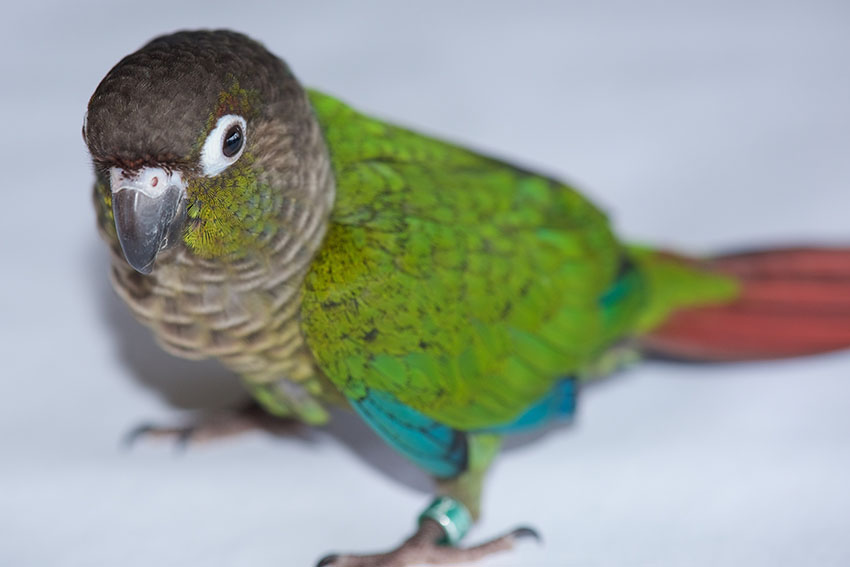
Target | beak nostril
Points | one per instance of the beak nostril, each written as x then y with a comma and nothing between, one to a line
149,214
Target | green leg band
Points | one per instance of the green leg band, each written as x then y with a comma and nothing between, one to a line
452,515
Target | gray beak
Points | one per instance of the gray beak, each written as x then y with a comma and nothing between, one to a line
149,211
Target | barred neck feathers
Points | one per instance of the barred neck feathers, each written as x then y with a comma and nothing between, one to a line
242,308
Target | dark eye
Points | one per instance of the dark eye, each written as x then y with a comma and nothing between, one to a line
232,141
223,145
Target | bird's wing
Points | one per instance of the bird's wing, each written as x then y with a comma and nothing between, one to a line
453,284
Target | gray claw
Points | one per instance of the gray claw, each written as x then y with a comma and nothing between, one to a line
181,435
134,435
526,532
184,437
327,560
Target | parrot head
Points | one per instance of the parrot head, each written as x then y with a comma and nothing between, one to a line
206,141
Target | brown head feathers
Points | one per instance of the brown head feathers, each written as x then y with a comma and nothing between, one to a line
152,107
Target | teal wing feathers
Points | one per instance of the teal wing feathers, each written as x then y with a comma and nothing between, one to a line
437,448
442,450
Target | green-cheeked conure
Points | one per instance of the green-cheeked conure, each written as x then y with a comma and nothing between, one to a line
448,298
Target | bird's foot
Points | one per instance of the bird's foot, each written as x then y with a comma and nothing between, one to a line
441,526
213,427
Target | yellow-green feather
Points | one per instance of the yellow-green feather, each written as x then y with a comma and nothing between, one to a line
232,214
674,283
461,285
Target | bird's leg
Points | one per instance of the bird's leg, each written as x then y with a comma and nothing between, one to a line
445,522
278,406
214,426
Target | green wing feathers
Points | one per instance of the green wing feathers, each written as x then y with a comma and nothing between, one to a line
462,285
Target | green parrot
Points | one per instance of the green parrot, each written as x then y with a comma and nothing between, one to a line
448,298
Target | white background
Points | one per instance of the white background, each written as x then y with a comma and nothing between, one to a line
706,125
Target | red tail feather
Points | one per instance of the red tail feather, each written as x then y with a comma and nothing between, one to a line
793,302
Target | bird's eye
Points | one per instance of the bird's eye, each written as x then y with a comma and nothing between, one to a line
224,144
232,141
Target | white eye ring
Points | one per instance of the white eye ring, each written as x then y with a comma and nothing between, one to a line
213,160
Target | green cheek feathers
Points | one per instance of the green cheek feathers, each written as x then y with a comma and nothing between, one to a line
103,203
231,214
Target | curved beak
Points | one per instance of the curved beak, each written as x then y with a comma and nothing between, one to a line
149,210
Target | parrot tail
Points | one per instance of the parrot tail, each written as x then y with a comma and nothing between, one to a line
791,302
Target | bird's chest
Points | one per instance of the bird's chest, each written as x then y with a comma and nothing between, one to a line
240,316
